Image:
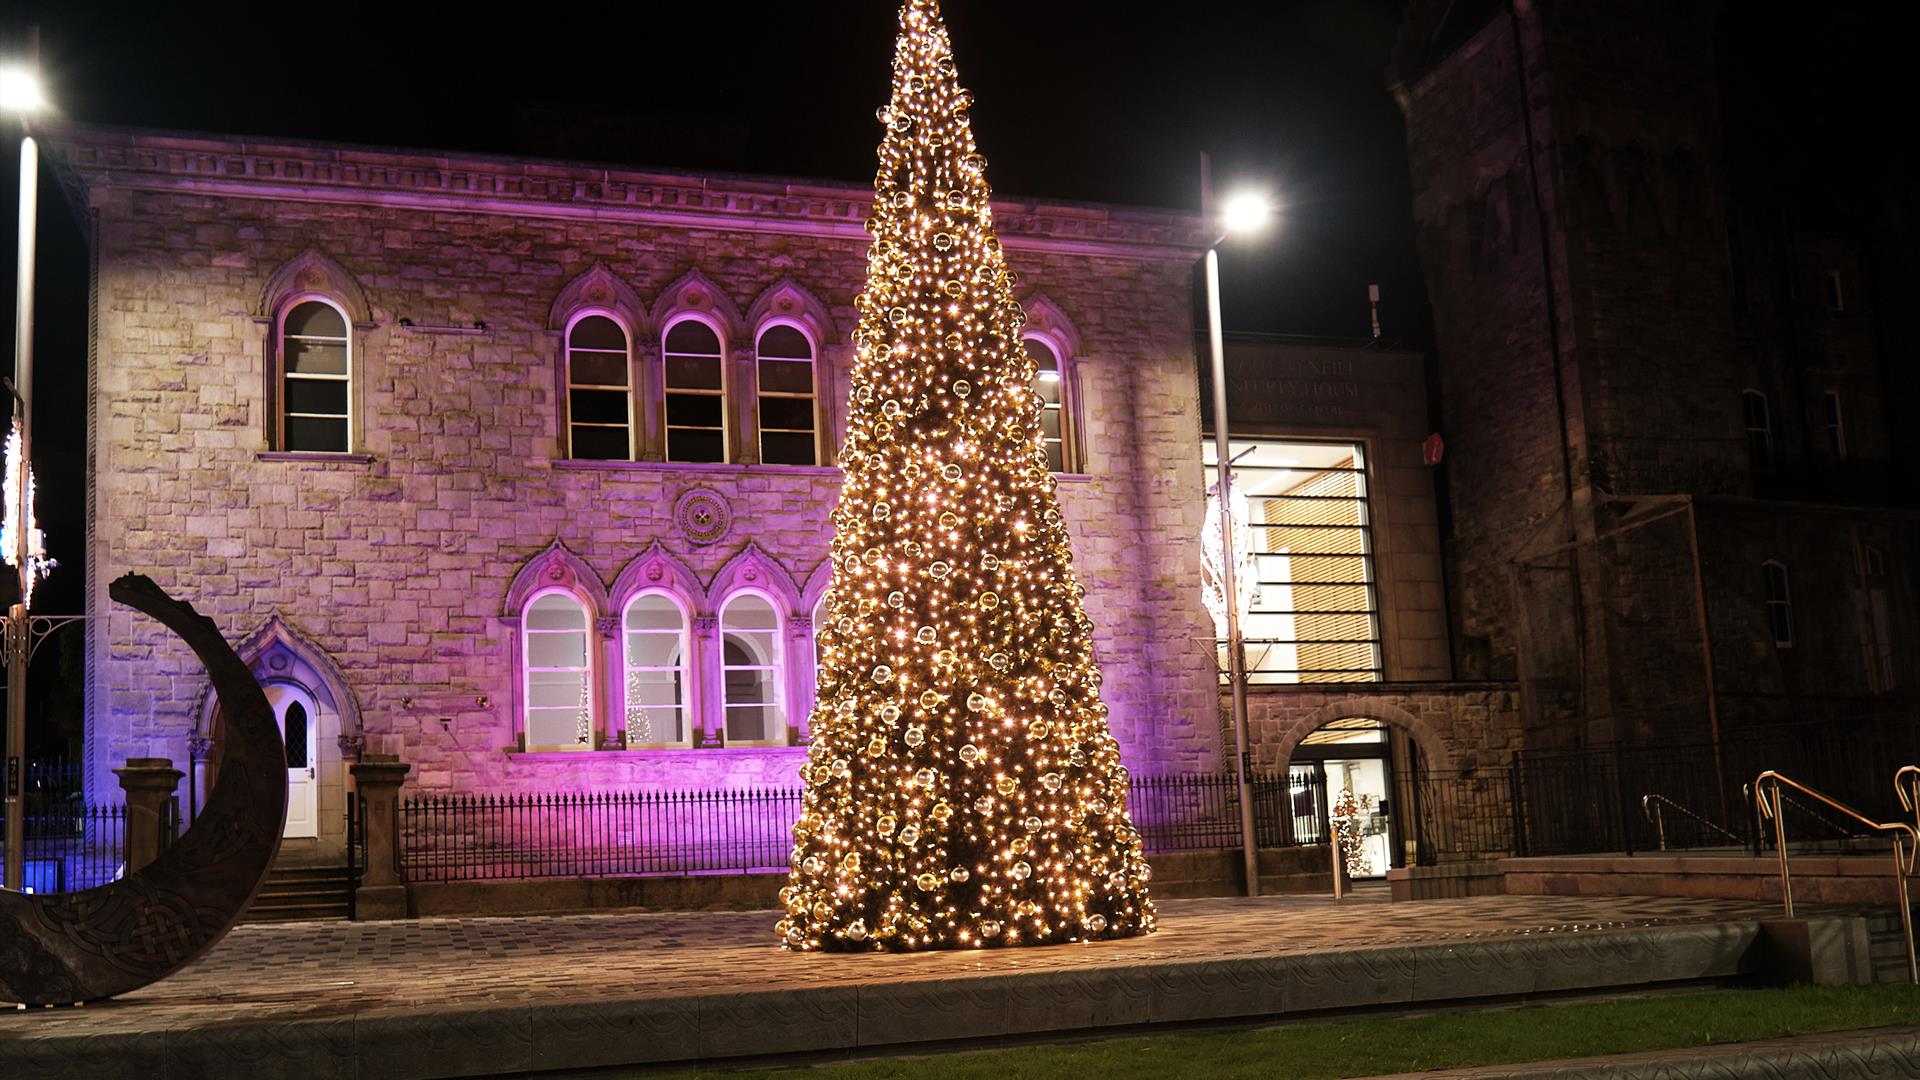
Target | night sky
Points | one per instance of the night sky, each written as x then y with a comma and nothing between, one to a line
1077,101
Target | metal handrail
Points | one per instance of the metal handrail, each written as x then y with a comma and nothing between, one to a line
1650,806
1906,784
1759,824
1903,861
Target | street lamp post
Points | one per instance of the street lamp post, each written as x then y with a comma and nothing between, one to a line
20,94
1242,213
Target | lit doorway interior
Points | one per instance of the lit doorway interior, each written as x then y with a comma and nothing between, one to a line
1354,758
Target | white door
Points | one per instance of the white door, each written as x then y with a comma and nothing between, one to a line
299,728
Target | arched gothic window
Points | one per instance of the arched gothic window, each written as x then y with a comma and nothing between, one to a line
316,378
656,678
695,362
1779,602
788,417
1759,419
751,671
557,655
599,390
1050,383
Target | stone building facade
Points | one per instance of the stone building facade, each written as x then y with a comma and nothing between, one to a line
1668,380
396,585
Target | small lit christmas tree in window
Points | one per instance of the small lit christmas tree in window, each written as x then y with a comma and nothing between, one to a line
963,788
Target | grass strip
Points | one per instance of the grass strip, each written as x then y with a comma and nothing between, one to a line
1371,1046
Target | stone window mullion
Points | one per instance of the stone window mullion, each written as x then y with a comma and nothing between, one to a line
650,381
743,387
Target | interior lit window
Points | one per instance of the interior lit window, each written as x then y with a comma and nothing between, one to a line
787,413
316,386
1315,616
696,393
558,684
656,672
599,391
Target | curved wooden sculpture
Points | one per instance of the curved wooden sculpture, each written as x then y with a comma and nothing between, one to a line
84,946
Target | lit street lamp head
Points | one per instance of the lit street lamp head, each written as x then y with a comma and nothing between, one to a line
20,90
1246,212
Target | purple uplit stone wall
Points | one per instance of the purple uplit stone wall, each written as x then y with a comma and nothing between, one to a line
392,569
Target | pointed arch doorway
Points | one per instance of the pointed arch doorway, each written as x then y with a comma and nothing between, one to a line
320,722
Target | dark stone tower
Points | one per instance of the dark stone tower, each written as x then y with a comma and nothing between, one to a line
1567,165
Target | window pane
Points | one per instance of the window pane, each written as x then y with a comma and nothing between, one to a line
599,369
315,319
327,396
693,336
778,448
694,410
553,727
316,357
787,414
296,736
319,436
653,612
556,689
598,406
601,444
749,723
653,649
557,649
654,724
653,688
1050,425
1056,457
598,332
1042,354
785,342
693,373
695,446
749,612
556,612
785,377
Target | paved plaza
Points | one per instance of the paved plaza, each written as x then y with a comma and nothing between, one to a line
460,996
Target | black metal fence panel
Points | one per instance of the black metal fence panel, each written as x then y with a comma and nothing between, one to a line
70,848
451,838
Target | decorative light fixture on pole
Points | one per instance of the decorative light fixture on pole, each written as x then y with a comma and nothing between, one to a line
1243,213
20,94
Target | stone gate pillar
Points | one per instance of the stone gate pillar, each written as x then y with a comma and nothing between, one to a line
377,779
149,784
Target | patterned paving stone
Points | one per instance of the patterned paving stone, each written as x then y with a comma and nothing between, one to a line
315,971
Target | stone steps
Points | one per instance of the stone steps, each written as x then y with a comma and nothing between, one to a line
301,894
1887,946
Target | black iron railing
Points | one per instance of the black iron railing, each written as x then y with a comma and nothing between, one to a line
1463,815
71,847
1579,801
611,834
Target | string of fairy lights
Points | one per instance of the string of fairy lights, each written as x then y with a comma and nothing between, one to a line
963,788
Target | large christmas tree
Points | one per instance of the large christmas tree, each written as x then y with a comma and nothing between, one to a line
963,789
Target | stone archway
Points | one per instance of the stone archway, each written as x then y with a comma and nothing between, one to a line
1432,747
1379,772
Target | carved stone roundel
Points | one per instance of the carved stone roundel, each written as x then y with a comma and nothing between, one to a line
703,516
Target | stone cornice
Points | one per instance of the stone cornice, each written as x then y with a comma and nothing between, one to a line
108,158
